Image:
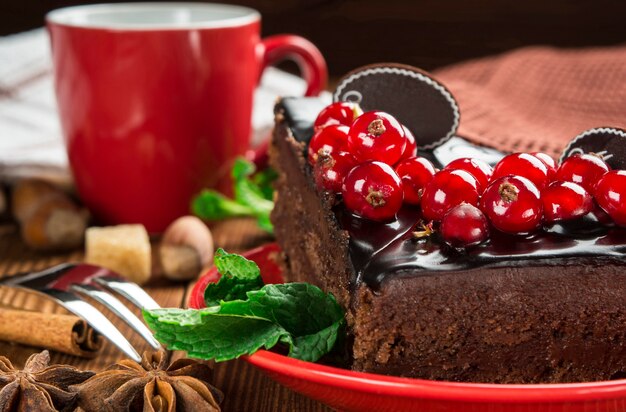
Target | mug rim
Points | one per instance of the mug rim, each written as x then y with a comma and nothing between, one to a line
66,16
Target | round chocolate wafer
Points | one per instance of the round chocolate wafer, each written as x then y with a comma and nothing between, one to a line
409,94
608,142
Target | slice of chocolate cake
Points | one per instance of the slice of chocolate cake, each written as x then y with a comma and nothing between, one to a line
547,307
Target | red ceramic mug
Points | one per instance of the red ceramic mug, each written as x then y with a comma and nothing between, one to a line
155,99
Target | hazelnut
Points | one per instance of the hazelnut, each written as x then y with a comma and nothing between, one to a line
57,224
48,217
186,247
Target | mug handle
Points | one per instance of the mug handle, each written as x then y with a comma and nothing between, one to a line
312,68
308,58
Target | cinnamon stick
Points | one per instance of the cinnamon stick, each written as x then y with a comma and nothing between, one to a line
63,333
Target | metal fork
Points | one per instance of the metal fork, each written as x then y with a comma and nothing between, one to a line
69,282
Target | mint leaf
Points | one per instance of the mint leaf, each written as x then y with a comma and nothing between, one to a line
297,314
242,168
239,275
312,318
253,196
205,334
264,180
247,192
265,223
228,289
212,205
300,308
232,264
312,347
250,195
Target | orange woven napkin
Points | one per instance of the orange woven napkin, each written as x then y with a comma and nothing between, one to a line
539,98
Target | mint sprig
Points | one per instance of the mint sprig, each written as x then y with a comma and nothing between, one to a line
244,315
253,196
239,275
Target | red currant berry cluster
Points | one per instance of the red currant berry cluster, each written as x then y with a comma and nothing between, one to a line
354,154
371,160
523,192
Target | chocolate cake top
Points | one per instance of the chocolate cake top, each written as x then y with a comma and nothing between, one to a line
379,250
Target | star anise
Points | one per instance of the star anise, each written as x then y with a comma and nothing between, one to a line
38,387
151,386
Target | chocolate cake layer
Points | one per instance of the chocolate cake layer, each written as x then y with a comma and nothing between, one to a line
549,308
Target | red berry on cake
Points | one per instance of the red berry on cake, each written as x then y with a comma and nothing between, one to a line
585,169
476,167
549,162
415,173
525,165
601,216
447,189
377,136
464,225
330,139
565,201
410,150
611,195
339,113
513,205
331,169
373,190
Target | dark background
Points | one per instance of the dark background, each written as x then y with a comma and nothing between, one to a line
425,33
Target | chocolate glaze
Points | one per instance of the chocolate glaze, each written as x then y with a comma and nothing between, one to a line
300,113
379,250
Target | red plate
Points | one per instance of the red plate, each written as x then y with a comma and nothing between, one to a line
347,390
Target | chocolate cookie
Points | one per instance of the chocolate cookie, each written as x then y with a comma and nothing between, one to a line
414,97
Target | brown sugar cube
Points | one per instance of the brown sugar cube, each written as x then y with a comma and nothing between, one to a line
124,249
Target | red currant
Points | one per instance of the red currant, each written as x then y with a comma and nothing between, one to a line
373,190
513,205
525,165
447,189
584,169
330,139
476,167
611,195
339,113
464,225
549,162
330,170
410,150
415,173
377,136
565,201
601,216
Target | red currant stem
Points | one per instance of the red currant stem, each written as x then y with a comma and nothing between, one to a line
426,230
508,192
376,128
324,158
375,198
420,192
598,155
356,111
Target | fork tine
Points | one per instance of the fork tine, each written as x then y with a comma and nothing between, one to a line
131,291
94,318
119,309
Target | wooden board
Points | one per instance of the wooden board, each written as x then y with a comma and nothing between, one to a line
245,388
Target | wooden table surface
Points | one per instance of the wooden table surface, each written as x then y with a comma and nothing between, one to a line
244,387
